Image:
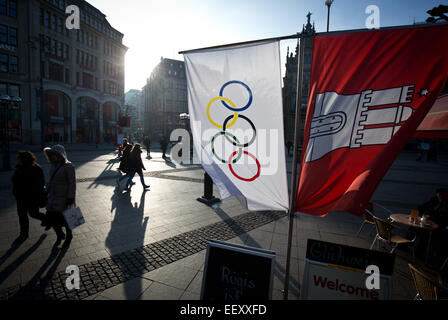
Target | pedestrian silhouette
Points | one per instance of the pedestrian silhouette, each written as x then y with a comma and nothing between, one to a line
28,187
135,165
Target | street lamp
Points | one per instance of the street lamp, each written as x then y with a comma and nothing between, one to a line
328,3
7,104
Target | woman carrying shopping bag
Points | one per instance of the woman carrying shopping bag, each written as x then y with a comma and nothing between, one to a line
61,192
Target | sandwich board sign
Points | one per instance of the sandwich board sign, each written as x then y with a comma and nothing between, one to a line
237,272
338,272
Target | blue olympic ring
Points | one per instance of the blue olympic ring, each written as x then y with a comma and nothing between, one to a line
244,85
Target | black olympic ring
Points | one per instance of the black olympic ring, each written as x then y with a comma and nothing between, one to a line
233,142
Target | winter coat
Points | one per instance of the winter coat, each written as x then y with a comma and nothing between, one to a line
28,184
135,161
124,163
62,186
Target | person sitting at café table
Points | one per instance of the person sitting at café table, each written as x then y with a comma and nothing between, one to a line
436,210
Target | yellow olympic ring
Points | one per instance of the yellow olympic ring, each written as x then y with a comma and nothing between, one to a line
229,102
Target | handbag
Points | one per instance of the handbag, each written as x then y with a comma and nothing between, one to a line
74,217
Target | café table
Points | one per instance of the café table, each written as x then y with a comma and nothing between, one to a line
428,225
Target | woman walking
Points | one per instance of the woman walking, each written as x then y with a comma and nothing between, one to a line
136,166
28,187
61,191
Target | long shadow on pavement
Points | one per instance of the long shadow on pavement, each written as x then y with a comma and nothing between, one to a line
35,288
16,263
128,228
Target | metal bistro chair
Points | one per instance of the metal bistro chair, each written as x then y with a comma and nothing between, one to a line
427,288
368,216
384,233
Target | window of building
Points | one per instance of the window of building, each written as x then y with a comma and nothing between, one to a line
87,80
56,72
53,22
65,53
67,75
3,62
47,44
78,83
53,47
3,34
12,8
13,64
13,36
62,4
3,8
60,25
46,19
59,54
14,90
3,89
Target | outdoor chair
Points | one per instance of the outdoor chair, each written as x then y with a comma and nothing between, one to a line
369,214
385,233
427,288
368,218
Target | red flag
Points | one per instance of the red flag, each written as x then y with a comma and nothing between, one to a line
369,91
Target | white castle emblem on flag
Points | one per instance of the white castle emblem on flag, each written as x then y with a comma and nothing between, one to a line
352,121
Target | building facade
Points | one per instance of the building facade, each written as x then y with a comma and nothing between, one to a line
135,105
71,81
165,98
290,84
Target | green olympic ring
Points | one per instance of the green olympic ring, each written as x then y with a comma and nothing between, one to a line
234,138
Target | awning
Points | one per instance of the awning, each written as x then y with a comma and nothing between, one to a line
435,124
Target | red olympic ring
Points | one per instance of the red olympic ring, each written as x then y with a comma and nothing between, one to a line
241,178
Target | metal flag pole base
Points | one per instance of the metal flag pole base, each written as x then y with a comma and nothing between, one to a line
208,197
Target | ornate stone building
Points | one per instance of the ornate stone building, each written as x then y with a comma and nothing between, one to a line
71,81
165,98
290,83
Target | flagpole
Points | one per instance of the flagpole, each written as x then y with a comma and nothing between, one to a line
292,203
293,36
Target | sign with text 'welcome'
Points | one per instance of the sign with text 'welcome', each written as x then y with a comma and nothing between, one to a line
338,272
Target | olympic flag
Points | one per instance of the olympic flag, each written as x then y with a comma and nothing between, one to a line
368,93
235,106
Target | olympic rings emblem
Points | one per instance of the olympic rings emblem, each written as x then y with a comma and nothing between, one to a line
230,137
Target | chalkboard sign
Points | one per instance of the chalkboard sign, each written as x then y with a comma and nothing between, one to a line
236,272
336,271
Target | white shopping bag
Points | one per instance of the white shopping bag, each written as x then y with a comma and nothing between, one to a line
74,217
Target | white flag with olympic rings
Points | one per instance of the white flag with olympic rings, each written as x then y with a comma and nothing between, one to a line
236,117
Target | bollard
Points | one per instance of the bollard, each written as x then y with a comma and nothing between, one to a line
208,197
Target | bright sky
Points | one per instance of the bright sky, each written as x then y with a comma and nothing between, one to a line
161,28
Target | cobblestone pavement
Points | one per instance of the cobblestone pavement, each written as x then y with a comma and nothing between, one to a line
124,244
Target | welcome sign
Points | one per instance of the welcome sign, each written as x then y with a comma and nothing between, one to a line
338,272
236,272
